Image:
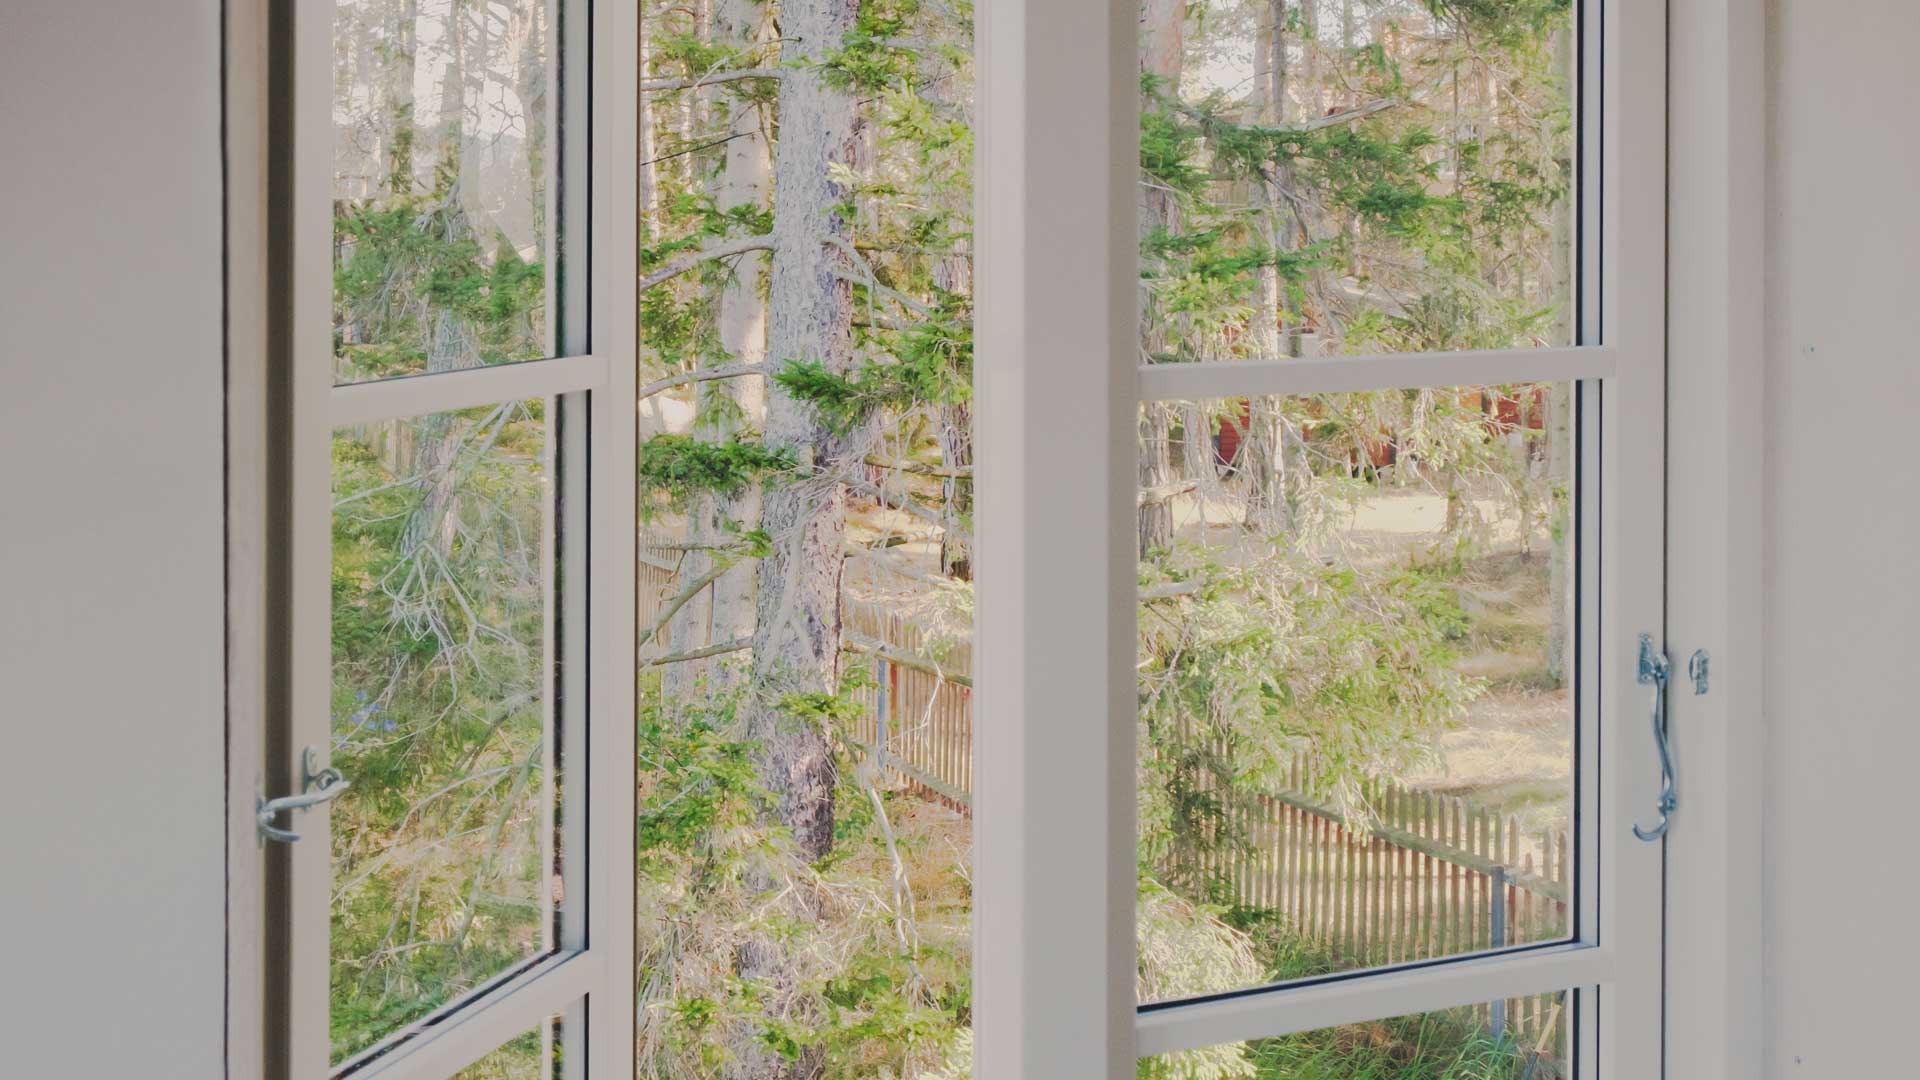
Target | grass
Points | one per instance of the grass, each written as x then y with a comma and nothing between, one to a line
1432,1046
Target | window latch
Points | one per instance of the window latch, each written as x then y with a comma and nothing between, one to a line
1655,671
319,785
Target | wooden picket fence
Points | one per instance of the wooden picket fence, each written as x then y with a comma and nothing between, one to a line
918,716
656,579
1431,876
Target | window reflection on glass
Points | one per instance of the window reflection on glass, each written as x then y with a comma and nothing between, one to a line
443,848
441,188
1524,1038
1356,732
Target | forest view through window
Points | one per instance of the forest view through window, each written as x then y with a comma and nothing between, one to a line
1354,608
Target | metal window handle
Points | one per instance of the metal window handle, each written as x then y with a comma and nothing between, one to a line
319,785
1655,671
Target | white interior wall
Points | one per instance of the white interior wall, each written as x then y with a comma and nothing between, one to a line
1842,565
111,858
109,465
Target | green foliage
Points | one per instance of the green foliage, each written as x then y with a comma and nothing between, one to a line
871,56
680,466
1253,664
886,993
701,781
926,372
1434,1046
1512,24
1376,214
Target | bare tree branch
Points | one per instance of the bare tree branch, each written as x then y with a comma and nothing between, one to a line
687,593
701,653
867,277
1162,492
711,78
919,468
673,268
698,375
1171,589
1347,115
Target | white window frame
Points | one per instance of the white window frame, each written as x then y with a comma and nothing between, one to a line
1055,218
1716,297
282,411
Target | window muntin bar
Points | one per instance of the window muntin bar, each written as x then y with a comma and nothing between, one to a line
1332,375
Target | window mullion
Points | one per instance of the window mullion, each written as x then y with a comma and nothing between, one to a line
1347,374
1054,812
608,314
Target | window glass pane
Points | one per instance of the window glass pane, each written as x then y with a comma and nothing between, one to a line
1363,177
533,1056
1356,731
442,185
1527,1038
443,848
807,578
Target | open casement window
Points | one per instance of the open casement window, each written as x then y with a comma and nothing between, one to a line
455,861
1311,477
1213,835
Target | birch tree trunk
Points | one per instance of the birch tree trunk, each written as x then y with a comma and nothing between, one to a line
646,182
1264,454
729,408
740,405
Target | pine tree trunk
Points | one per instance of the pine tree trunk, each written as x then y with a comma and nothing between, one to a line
956,453
796,640
1156,478
397,94
954,274
1559,424
1558,465
797,636
1163,55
